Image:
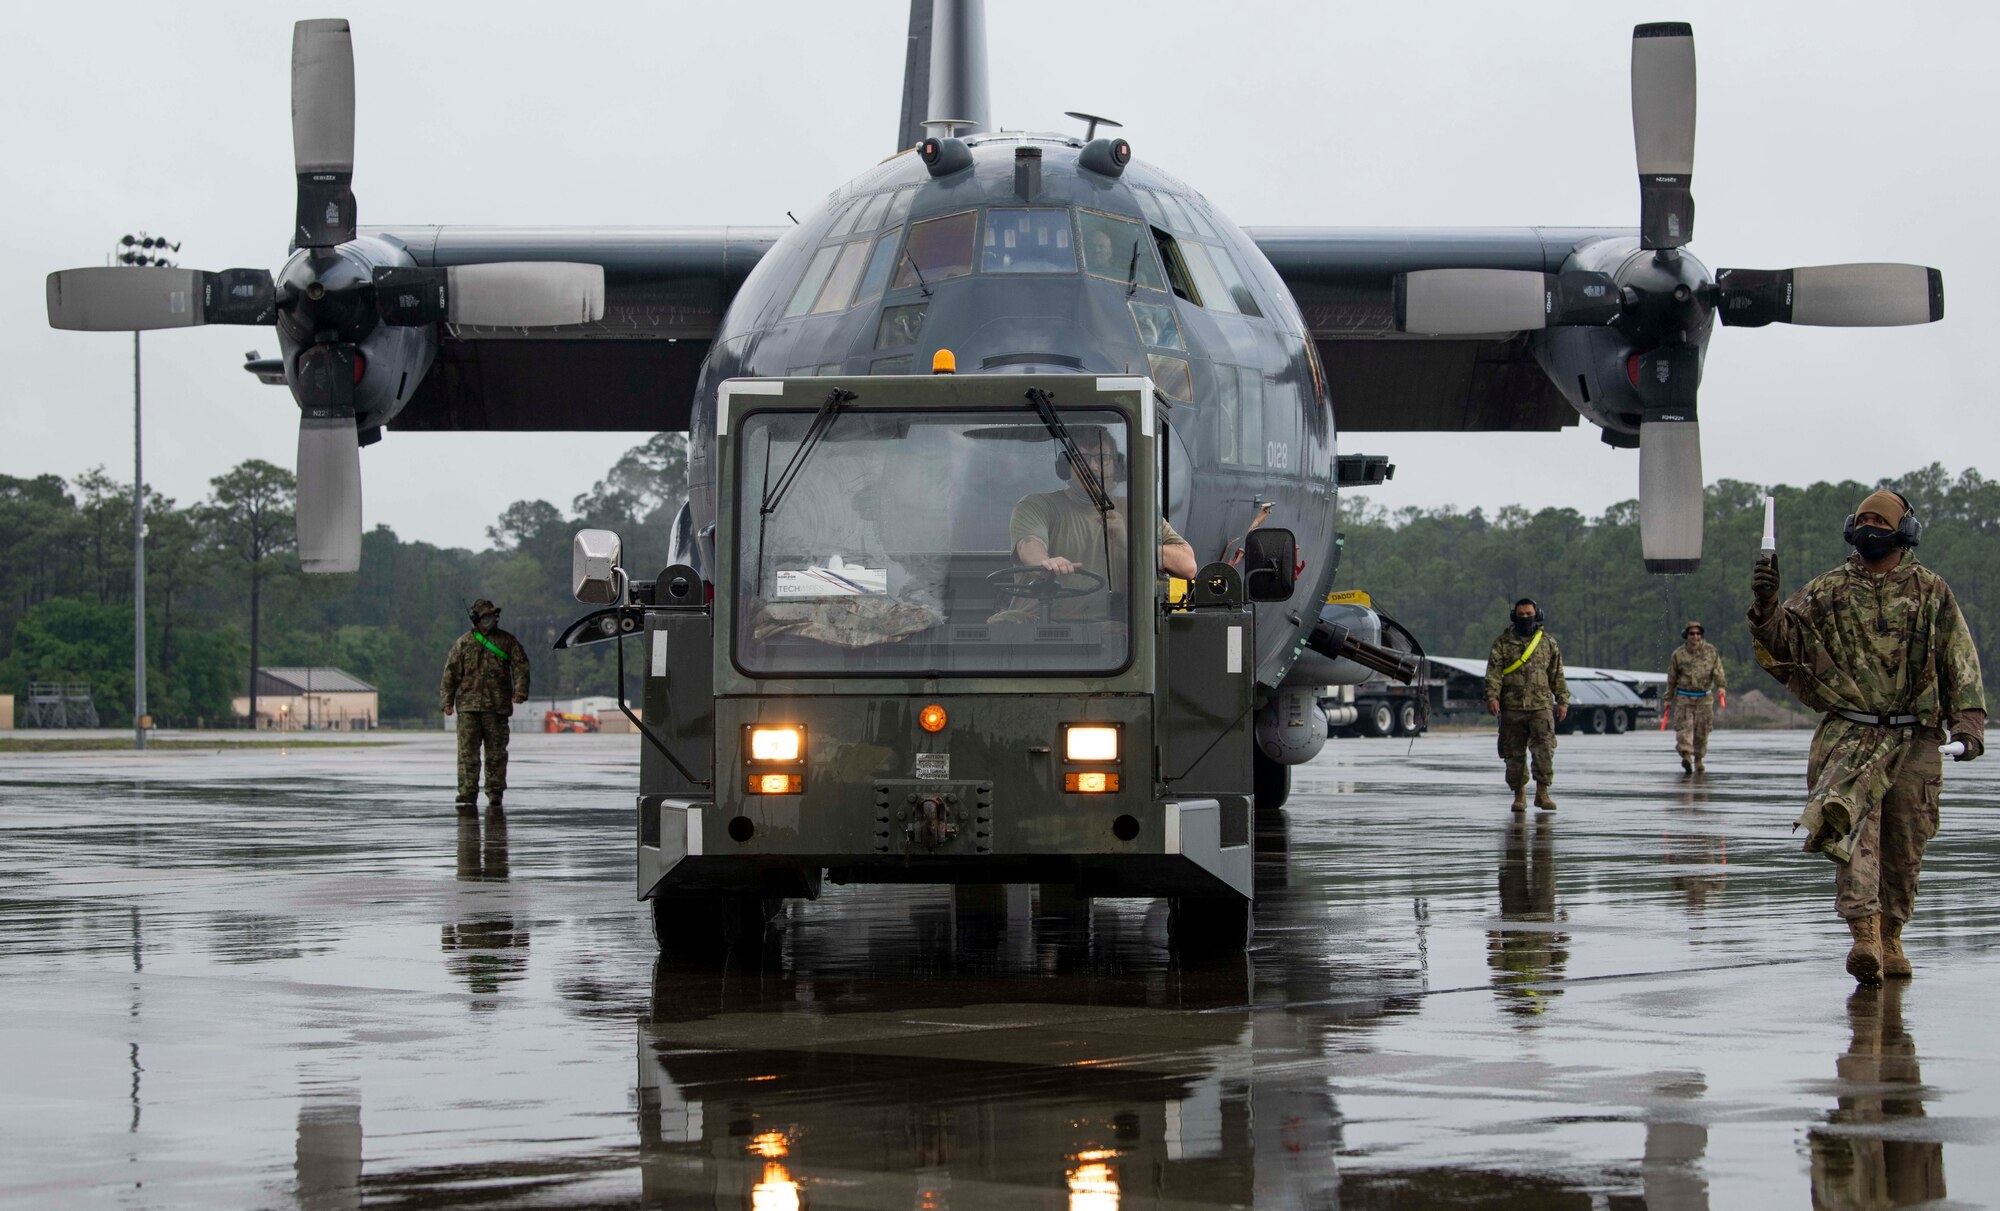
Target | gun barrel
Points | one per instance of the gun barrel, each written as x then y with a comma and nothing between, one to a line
1335,641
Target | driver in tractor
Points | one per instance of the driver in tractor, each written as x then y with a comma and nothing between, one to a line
1061,533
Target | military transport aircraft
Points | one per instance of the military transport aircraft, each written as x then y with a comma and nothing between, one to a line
1022,253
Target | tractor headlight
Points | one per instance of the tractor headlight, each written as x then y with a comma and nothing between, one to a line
777,745
1090,742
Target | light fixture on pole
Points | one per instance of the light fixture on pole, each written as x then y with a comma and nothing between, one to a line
140,250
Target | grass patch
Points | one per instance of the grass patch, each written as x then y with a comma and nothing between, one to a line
92,744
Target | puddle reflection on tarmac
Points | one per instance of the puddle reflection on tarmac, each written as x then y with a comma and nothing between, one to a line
227,990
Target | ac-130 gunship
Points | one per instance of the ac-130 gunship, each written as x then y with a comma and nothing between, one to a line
848,567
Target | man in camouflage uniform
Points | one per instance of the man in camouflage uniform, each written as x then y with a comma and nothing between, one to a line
1696,686
1526,689
485,675
1880,646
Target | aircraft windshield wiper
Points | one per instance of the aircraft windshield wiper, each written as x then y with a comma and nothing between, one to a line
775,490
1132,272
1085,474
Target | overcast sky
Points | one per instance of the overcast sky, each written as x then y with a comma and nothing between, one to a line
1828,132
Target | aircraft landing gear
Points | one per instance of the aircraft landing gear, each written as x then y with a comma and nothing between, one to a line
1271,781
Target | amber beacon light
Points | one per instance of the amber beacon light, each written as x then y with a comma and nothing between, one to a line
932,718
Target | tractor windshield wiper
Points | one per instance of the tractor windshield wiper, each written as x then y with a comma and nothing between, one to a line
775,490
1085,475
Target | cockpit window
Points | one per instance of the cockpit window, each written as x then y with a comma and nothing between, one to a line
815,278
1151,205
878,268
840,283
1157,325
1119,249
1207,282
891,552
938,248
1028,240
1176,215
1239,290
871,214
899,207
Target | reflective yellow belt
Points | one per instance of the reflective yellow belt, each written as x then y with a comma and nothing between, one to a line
1527,652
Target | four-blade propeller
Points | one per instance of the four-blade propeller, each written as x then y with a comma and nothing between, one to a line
325,306
1665,303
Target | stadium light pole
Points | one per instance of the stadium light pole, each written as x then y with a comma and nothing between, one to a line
140,250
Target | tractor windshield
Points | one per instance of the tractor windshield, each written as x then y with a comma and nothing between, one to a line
952,542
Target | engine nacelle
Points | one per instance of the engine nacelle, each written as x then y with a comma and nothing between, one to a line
1589,364
394,359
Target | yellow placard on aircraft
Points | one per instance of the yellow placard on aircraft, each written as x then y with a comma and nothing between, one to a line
1358,597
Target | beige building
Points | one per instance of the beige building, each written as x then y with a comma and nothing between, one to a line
319,699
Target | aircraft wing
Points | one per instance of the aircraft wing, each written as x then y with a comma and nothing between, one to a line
666,289
1383,380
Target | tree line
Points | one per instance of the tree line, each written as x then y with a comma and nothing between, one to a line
223,580
224,592
1450,575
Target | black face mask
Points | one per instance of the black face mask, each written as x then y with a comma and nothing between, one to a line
1524,626
1874,542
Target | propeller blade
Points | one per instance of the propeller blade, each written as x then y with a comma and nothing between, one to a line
328,509
142,298
323,131
1831,296
1454,302
1670,495
1663,97
511,294
124,299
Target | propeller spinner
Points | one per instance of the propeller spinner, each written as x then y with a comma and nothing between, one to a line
1662,301
328,302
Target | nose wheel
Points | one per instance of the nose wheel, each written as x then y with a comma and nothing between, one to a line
1042,586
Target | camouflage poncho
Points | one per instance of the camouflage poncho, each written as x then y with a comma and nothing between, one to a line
1887,644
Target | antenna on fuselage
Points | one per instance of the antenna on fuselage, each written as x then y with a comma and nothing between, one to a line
945,128
1094,122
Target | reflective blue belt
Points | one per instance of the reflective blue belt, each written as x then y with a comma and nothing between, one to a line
1692,693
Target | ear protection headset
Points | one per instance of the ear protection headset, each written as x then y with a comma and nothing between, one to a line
1909,531
1685,630
1539,620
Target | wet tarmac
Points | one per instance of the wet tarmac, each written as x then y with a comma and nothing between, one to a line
278,978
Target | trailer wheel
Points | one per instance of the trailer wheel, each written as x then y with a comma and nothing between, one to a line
1377,719
708,926
1621,722
1406,720
1271,781
1201,925
1600,721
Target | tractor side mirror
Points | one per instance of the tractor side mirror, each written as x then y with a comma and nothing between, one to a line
1270,564
595,575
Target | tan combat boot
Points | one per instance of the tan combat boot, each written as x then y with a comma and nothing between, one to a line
1864,958
1895,964
1520,798
1542,799
1700,767
1687,765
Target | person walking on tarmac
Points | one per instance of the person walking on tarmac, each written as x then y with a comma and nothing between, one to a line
485,675
1526,689
1879,645
1696,687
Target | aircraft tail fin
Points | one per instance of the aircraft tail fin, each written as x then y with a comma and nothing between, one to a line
944,71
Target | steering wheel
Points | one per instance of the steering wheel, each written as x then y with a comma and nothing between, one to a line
1044,586
1040,585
